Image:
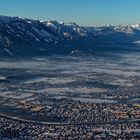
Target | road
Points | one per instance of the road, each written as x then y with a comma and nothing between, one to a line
60,124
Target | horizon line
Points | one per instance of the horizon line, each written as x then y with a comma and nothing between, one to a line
41,20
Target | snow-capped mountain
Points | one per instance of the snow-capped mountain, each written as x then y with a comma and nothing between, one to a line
25,37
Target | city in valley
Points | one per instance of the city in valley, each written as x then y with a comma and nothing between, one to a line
70,97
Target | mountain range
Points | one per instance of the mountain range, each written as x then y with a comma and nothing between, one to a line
27,37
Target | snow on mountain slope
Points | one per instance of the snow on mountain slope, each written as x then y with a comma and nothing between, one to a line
22,36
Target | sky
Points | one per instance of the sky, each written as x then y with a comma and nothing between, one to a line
82,12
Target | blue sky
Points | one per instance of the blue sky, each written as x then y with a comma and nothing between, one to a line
83,12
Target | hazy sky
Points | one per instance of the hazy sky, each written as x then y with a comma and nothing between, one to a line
83,12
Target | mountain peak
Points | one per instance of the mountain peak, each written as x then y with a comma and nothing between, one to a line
8,18
136,26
